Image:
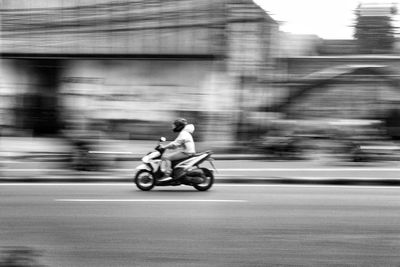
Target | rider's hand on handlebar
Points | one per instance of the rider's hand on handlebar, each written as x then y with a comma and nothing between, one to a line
160,147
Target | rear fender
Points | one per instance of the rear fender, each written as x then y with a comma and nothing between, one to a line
192,161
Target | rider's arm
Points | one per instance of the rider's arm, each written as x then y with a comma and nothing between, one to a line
174,144
179,141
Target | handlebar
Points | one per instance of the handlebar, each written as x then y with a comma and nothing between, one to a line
159,149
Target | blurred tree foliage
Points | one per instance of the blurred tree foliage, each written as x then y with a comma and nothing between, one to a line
374,33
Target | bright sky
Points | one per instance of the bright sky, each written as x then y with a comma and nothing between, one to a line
329,19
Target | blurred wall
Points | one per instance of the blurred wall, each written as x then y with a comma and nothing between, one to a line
125,98
297,67
113,27
125,94
139,63
347,97
29,94
13,82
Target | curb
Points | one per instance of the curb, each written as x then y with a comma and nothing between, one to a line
222,180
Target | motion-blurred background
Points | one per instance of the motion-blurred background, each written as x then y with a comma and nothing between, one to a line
73,71
91,85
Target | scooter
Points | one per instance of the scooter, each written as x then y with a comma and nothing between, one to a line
184,172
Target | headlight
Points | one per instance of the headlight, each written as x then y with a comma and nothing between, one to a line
146,159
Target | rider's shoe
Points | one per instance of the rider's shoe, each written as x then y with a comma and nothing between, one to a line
165,178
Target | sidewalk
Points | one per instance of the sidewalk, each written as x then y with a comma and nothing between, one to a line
40,160
271,172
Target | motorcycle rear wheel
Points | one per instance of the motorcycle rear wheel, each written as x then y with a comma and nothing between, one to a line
144,180
208,183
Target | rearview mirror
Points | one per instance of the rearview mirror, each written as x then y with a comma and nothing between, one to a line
163,139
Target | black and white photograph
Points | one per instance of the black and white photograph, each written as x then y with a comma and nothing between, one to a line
199,133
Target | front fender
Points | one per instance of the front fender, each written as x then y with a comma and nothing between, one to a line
144,167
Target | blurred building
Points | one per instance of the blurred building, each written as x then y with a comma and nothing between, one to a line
396,46
128,67
292,45
374,30
326,90
336,47
377,9
336,79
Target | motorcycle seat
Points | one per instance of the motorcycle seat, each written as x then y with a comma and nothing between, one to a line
202,153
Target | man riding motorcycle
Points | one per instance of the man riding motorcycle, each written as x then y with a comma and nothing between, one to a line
184,143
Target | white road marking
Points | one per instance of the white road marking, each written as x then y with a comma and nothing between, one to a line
146,200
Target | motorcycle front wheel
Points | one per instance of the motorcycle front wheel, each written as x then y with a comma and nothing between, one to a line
144,180
208,182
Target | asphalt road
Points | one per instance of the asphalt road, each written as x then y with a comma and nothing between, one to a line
231,225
